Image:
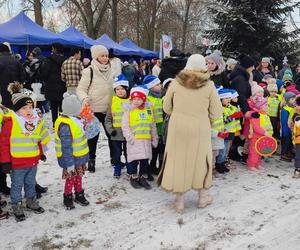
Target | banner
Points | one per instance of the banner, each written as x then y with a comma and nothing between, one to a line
165,46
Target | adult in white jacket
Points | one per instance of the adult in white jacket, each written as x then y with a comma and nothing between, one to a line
95,89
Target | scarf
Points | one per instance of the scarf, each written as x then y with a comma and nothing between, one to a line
105,69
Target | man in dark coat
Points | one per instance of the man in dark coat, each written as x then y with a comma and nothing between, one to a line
10,70
51,74
171,66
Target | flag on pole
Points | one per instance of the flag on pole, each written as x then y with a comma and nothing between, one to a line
166,46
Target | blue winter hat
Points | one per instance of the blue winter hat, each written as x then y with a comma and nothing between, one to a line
288,95
225,93
234,93
218,87
150,81
121,80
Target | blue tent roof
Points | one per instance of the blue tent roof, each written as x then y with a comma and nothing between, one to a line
74,33
119,50
143,52
21,30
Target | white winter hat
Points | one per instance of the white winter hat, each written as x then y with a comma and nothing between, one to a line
196,62
256,88
266,59
97,50
71,105
231,61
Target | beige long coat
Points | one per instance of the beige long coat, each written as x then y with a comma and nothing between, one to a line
193,104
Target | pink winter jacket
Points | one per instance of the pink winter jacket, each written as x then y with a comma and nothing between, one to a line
138,149
257,130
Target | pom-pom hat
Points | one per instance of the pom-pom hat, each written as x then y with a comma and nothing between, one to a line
121,80
150,81
225,93
71,105
139,92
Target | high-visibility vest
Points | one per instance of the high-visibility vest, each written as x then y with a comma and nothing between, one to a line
273,105
117,110
296,133
140,121
218,125
79,143
230,126
265,124
24,145
157,108
290,110
237,121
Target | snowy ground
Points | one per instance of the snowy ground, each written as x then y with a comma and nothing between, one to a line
252,210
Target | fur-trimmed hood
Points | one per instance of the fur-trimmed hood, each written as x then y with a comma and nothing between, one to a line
192,79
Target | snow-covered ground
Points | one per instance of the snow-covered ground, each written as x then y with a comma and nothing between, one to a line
252,210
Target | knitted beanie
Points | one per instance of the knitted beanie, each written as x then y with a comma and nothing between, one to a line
71,105
196,62
121,80
18,98
150,81
140,92
288,95
215,57
272,87
266,59
246,61
97,50
256,88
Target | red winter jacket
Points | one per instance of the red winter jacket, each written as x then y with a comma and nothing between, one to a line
6,157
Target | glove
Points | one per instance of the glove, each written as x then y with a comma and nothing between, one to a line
6,168
113,133
237,115
255,115
43,158
223,135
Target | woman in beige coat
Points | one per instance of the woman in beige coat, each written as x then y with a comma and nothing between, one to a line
95,89
193,104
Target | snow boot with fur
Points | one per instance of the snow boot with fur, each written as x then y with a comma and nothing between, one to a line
143,182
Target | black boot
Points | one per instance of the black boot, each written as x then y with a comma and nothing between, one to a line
33,205
143,182
40,189
134,181
91,166
220,168
80,199
18,211
244,158
68,201
4,189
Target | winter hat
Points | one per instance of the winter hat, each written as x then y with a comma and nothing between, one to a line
267,77
256,88
8,46
97,50
231,61
272,87
266,59
30,94
287,78
246,61
196,62
215,57
140,92
224,93
234,94
121,81
18,98
71,105
259,102
151,81
176,53
167,82
288,95
218,87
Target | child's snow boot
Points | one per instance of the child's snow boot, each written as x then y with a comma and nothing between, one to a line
134,181
40,189
33,205
3,214
91,166
117,171
80,199
143,182
221,168
18,211
68,201
2,203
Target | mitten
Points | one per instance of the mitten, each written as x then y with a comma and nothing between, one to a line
237,115
43,158
6,167
255,115
113,133
223,135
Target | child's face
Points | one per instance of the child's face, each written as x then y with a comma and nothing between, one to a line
26,111
137,102
121,92
292,101
226,101
156,88
234,99
259,93
273,93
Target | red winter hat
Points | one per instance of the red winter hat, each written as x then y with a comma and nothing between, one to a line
139,92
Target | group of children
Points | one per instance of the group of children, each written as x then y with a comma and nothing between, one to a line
273,113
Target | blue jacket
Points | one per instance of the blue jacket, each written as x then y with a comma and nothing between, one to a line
67,159
284,116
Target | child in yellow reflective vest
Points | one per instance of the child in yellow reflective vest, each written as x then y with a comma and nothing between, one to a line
113,124
72,150
154,97
274,101
259,127
139,129
296,138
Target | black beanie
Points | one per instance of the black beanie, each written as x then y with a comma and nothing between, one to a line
246,61
20,100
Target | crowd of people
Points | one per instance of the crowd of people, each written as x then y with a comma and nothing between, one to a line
180,119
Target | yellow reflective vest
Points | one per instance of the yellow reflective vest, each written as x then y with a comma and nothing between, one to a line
273,105
27,144
117,111
218,125
291,111
265,124
79,143
140,121
157,108
229,126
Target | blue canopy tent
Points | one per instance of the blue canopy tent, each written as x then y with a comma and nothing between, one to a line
21,30
143,52
119,50
74,33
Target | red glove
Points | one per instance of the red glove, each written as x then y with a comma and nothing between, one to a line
223,135
237,115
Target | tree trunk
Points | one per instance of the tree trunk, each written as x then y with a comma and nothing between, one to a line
185,23
138,22
152,25
37,6
114,10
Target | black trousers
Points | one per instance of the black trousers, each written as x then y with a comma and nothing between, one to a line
276,132
55,107
286,144
118,147
93,142
143,164
157,153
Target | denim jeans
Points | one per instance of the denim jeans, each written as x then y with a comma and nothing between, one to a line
223,152
23,177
